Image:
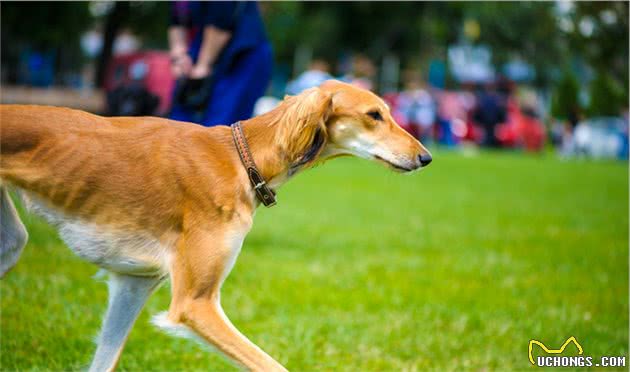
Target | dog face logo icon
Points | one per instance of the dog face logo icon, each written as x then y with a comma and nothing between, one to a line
553,351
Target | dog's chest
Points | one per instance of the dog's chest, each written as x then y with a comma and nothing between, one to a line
125,252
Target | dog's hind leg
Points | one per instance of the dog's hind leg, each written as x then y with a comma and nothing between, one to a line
127,295
13,235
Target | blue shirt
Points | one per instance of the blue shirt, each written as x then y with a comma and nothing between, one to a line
241,18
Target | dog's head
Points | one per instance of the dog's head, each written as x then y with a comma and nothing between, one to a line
360,124
338,119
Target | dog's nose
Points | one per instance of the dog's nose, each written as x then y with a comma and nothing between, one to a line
425,159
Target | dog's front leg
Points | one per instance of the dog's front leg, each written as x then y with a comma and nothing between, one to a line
202,261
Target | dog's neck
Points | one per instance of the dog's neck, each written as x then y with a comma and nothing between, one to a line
270,160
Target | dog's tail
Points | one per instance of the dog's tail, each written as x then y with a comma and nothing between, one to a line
13,235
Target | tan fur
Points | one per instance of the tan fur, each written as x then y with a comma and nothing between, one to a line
183,184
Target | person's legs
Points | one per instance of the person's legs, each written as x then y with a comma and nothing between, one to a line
235,93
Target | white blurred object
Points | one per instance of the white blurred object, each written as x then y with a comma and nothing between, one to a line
138,70
126,43
307,79
471,63
602,137
265,104
92,43
418,107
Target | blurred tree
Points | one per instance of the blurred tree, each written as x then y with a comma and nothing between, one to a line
525,30
547,35
280,17
565,98
408,29
600,35
149,20
44,24
606,96
46,27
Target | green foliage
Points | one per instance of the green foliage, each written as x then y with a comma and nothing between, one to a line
606,49
526,30
280,17
44,25
53,28
374,28
565,96
149,20
607,97
452,269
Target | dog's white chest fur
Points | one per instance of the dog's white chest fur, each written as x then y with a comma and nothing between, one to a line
133,253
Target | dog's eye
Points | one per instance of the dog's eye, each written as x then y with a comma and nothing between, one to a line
375,115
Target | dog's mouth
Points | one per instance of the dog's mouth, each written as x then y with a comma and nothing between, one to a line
396,167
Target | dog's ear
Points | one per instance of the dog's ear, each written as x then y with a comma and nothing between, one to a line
316,146
314,106
304,125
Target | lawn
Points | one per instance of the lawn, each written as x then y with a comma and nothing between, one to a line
361,269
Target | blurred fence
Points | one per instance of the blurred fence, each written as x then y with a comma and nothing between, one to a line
91,100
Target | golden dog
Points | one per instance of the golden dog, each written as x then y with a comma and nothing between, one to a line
149,198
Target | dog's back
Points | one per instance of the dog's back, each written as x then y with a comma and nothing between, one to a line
90,176
86,165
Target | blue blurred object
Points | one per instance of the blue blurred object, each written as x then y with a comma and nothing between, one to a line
445,134
519,71
36,68
437,73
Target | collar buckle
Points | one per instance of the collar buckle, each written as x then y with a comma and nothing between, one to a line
264,194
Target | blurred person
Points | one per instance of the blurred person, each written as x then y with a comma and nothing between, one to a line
489,112
221,58
531,130
452,113
418,106
362,73
317,72
567,140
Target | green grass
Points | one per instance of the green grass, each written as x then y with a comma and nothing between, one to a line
361,269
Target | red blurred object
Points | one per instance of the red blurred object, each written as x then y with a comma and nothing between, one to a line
474,133
392,100
520,129
154,69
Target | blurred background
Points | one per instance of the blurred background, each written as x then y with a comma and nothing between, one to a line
518,230
511,75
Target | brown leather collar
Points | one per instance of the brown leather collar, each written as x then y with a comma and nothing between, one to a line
266,195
